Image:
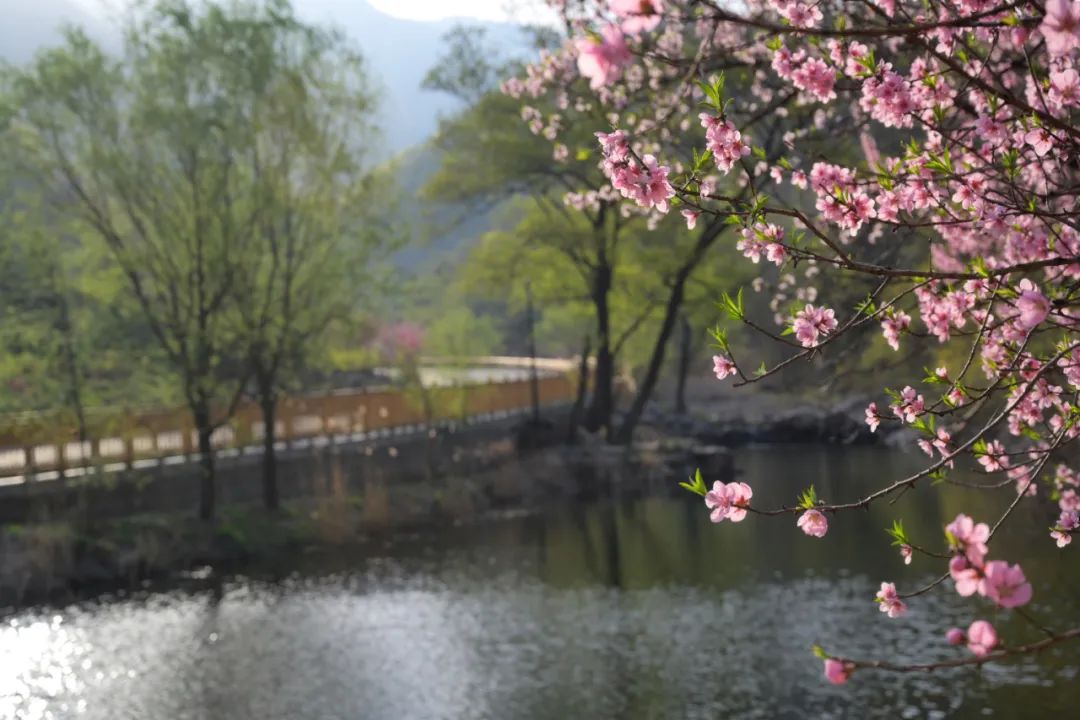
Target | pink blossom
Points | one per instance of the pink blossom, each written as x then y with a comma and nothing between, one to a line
728,502
969,537
724,140
723,366
905,553
816,78
637,15
955,636
799,14
1065,87
887,6
750,246
889,602
1040,140
614,146
813,523
838,672
691,218
775,253
1061,26
812,322
656,190
873,419
893,325
967,579
887,97
1005,584
994,458
602,60
1032,304
1068,520
910,405
400,339
646,183
981,637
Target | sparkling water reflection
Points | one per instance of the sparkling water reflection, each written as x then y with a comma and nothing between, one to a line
635,609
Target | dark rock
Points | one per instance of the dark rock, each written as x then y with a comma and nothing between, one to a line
90,569
534,434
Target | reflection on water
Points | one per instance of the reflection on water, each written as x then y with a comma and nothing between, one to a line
631,609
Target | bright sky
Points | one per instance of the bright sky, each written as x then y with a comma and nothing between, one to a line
438,9
520,10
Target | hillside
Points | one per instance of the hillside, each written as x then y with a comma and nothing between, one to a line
441,234
400,52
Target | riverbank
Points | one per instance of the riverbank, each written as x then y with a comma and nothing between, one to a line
76,556
344,496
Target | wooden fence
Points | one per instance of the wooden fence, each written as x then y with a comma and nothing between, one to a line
35,444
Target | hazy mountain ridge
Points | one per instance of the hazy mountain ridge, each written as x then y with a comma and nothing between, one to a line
400,54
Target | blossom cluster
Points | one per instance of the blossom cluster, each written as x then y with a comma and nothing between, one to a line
643,181
927,154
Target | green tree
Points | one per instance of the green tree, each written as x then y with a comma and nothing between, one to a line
157,150
489,155
309,106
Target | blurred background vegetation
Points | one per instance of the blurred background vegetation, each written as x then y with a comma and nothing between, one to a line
206,201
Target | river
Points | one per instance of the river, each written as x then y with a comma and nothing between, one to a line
625,608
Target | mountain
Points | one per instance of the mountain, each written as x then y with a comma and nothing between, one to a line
400,52
441,233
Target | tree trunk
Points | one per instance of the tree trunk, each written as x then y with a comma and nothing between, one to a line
268,403
599,414
207,494
684,365
656,361
534,378
582,390
73,394
671,313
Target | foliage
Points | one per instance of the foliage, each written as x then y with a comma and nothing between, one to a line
923,170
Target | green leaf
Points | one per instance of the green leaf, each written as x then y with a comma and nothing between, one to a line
808,499
896,532
734,306
696,484
866,306
719,336
702,161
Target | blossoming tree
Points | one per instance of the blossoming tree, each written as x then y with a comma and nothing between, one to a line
955,200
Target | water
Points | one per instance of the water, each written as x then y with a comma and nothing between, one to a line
623,609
